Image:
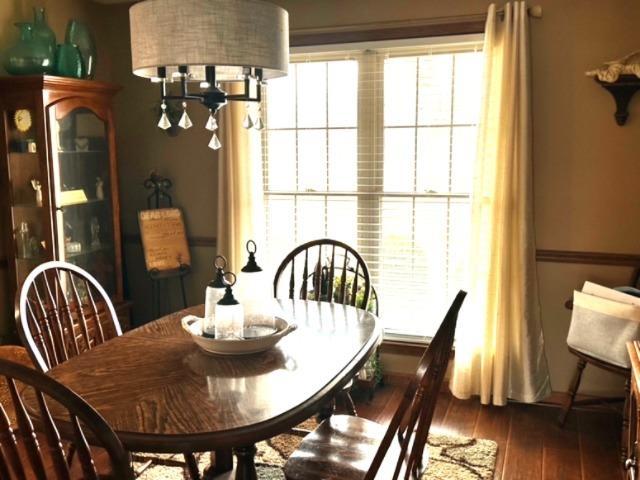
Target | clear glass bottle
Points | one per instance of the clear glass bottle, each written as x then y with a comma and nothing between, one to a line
213,294
23,241
229,316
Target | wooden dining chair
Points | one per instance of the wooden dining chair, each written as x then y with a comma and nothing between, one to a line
351,448
31,445
61,312
326,270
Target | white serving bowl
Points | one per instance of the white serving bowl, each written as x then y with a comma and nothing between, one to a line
246,346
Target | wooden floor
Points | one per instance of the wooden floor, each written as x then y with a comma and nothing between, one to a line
530,444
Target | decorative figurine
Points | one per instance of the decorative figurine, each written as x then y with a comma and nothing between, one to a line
37,186
95,233
99,188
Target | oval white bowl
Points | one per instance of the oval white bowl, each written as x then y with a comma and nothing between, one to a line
193,326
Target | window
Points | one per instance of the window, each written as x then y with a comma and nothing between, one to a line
375,147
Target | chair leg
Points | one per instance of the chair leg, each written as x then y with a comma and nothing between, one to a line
571,394
192,466
350,406
327,410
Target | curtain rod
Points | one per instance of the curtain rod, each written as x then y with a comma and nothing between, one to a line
534,12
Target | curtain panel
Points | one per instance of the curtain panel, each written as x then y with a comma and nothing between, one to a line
499,344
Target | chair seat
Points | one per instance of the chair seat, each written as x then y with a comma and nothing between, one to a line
341,448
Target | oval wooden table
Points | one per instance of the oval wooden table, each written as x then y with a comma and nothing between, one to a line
160,393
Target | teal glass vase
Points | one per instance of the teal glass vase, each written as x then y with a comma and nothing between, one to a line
79,34
42,33
69,61
29,56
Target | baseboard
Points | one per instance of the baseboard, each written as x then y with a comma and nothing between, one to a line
554,400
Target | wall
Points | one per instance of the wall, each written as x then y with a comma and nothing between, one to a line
185,159
58,13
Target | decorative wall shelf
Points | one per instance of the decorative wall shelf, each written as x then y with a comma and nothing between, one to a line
622,91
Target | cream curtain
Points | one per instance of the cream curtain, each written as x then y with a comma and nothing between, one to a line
499,344
240,194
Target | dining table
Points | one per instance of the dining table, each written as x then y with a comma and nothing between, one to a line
162,394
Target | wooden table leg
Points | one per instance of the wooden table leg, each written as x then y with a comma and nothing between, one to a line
221,462
246,468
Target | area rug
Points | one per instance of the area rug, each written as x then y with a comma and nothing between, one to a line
450,458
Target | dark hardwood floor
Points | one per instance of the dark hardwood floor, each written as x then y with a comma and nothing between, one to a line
530,444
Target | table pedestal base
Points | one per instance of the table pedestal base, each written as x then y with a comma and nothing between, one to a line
221,467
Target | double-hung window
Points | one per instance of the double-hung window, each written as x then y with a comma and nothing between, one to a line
374,145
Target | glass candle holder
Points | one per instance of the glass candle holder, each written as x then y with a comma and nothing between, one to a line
213,294
229,314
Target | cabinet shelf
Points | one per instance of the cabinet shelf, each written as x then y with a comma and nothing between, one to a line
91,201
89,251
79,152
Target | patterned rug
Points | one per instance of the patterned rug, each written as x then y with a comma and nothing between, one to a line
450,458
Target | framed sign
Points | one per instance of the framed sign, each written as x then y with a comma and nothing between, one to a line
164,240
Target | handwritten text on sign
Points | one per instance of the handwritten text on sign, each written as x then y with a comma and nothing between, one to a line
164,240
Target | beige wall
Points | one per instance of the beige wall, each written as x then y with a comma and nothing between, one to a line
586,168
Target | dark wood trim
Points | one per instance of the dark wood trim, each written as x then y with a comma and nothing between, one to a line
61,84
588,258
195,241
4,263
388,31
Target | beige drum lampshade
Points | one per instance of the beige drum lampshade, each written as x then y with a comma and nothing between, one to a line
228,34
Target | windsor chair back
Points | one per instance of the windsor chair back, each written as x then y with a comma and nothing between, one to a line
371,451
31,445
61,312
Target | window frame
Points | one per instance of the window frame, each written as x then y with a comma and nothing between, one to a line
372,125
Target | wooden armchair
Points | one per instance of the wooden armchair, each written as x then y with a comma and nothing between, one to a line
352,448
30,451
329,271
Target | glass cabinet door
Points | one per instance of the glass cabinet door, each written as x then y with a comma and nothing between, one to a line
28,194
82,191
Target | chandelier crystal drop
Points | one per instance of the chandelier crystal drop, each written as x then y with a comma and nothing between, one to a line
212,123
185,122
247,122
214,143
164,122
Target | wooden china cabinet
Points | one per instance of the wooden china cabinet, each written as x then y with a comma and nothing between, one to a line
59,180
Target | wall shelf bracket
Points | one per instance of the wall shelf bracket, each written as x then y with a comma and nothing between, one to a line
622,91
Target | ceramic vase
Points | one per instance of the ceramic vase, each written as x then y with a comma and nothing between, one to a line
79,34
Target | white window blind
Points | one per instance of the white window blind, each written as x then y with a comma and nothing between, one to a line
375,147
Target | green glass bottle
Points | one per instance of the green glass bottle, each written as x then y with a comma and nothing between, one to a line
43,35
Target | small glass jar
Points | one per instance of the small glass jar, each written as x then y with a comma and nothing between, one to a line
213,294
255,291
229,314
